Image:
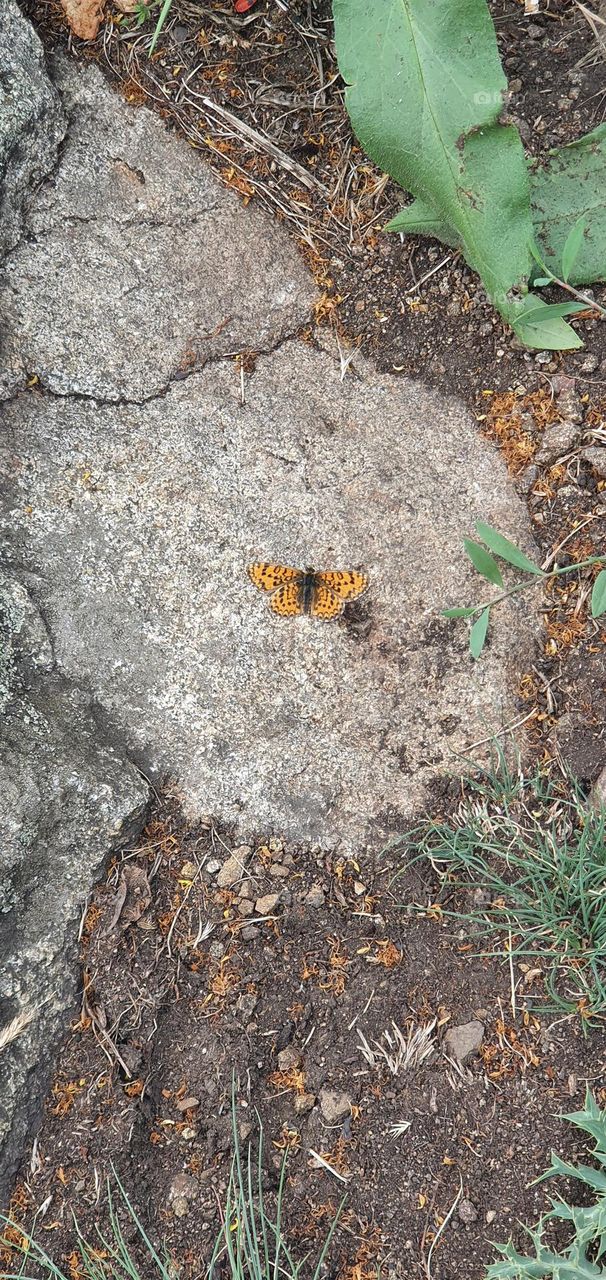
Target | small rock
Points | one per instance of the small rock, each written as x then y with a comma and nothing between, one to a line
559,438
213,866
334,1105
589,363
249,932
490,1216
467,1212
245,907
189,1134
595,455
289,1058
278,870
542,357
188,871
268,903
534,31
462,1042
186,1104
315,897
304,1103
180,1206
246,1004
216,950
183,1185
234,867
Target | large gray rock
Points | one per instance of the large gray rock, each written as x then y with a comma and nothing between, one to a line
136,524
31,120
67,798
142,264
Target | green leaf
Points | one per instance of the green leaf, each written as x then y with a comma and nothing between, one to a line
504,548
572,247
598,595
419,219
538,325
483,562
460,613
539,282
478,633
569,187
546,310
427,106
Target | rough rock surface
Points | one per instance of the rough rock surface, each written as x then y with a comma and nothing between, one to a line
136,524
31,120
135,513
143,266
67,798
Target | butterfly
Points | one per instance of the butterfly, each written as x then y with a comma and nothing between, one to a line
320,593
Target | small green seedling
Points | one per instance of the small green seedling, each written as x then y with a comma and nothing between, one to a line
488,567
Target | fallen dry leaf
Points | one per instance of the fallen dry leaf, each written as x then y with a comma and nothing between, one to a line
84,16
133,897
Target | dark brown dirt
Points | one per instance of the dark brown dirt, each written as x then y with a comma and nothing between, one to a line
182,1017
168,1016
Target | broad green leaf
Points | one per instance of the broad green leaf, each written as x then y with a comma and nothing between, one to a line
483,561
460,613
427,106
477,635
568,187
418,219
539,282
504,548
572,247
542,311
598,595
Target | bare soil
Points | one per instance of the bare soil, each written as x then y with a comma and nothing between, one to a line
182,992
172,1011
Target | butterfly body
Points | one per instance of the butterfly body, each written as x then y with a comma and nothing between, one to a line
316,592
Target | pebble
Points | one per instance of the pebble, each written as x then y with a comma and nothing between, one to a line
249,932
180,1206
589,363
304,1103
233,868
187,1104
216,950
558,439
490,1216
246,1004
245,907
467,1212
278,870
464,1041
334,1104
268,903
596,457
289,1058
213,866
315,897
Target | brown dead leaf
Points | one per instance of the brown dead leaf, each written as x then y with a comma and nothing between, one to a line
84,16
133,897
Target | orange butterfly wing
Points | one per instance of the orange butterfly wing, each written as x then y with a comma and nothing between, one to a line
269,576
287,600
325,604
346,584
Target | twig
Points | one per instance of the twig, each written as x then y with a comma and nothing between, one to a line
260,140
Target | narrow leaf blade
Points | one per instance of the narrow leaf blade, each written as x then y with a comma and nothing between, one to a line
483,562
465,612
478,633
598,595
504,548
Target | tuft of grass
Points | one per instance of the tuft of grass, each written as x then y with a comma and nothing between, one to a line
535,853
104,1259
251,1244
580,1259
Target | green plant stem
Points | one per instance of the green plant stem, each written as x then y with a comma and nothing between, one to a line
576,293
543,577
